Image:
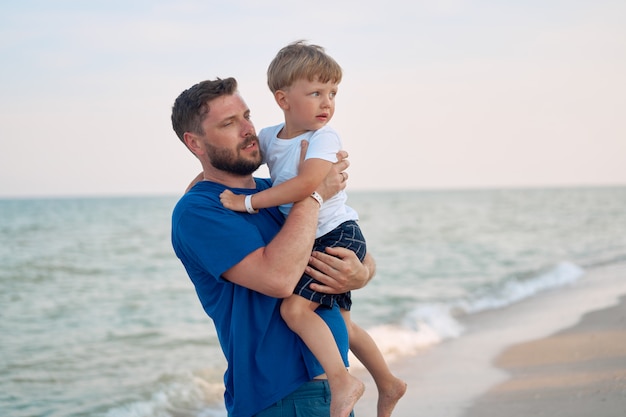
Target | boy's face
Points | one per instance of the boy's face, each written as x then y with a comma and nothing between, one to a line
309,105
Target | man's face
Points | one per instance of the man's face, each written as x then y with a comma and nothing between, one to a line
229,137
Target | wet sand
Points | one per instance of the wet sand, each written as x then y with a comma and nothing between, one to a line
580,371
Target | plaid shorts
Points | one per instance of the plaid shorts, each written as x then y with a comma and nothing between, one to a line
347,235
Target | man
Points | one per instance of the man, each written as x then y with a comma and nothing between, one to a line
242,264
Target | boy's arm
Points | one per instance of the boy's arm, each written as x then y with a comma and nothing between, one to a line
310,174
275,269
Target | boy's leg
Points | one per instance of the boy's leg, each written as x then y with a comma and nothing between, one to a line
299,314
390,388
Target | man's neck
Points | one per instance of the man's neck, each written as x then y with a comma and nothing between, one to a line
230,180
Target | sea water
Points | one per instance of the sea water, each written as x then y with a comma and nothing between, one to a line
98,317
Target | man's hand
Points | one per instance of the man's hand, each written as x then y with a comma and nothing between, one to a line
335,181
339,270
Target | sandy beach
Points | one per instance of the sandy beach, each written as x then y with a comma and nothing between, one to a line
562,353
580,371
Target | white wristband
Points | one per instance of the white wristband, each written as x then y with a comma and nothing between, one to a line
248,203
317,198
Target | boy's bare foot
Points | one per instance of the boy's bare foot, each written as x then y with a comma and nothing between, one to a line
389,396
344,397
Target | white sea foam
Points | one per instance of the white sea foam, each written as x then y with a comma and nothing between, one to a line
512,291
430,324
183,395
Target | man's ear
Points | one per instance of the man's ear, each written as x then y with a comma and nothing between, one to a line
281,99
194,143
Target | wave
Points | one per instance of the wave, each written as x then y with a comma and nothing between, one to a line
198,394
430,324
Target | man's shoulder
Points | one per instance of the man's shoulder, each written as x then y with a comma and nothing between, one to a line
202,191
203,195
263,183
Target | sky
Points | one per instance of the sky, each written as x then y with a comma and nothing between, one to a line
443,94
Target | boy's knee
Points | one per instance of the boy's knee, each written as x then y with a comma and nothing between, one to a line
288,309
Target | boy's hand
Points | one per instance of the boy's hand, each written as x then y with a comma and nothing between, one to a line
231,201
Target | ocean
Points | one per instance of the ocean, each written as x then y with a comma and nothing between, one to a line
98,317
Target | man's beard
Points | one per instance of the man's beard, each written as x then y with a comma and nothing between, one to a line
230,161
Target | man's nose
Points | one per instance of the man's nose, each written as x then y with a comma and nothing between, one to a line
248,128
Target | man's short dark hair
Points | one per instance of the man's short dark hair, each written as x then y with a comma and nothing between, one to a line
192,105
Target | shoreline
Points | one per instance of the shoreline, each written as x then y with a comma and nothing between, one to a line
447,380
577,372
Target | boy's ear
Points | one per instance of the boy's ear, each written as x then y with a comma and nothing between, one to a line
281,99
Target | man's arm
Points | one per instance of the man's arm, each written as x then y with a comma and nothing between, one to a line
339,270
275,268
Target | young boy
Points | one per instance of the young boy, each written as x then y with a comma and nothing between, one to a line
304,81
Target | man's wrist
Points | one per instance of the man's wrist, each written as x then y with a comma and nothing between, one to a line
309,201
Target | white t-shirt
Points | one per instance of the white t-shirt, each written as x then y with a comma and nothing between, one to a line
282,156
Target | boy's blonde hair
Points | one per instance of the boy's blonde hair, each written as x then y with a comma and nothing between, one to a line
298,60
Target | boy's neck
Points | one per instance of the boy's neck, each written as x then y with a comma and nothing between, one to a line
289,131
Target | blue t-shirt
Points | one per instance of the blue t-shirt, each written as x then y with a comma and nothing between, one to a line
266,360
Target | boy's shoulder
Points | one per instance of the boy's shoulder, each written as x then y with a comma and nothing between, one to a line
325,131
271,130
